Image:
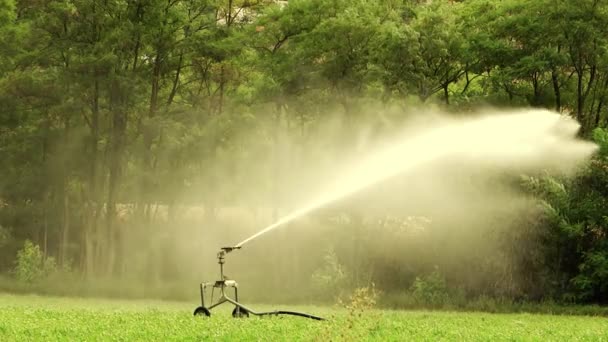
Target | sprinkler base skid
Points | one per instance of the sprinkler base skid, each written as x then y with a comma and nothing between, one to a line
240,310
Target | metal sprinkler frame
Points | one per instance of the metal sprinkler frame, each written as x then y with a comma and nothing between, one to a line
240,310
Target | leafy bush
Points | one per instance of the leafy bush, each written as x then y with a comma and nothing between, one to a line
362,299
576,256
361,322
31,264
430,289
332,276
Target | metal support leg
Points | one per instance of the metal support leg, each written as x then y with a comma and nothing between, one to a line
202,295
222,301
236,297
240,306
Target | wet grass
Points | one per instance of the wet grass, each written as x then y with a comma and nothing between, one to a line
34,318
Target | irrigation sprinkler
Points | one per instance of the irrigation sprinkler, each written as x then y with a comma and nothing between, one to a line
240,310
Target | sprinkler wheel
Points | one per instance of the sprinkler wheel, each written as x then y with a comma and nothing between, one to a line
202,311
239,312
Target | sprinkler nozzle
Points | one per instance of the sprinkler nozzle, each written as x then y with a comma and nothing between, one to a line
227,250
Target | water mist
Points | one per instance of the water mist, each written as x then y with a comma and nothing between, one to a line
525,140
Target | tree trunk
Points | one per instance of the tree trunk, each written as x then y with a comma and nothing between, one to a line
176,79
65,229
222,82
509,92
467,79
45,227
556,90
119,123
155,86
580,100
600,106
149,133
598,113
45,209
93,206
139,17
582,94
536,101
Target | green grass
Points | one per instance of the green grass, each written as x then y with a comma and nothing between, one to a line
34,318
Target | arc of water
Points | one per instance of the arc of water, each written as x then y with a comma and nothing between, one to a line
525,135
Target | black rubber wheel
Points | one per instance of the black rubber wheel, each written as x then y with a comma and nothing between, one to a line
202,311
242,313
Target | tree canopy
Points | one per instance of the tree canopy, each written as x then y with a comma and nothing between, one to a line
118,119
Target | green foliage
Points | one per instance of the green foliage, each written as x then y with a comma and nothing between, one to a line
54,318
331,279
576,215
591,282
430,289
117,115
600,136
7,12
31,265
361,300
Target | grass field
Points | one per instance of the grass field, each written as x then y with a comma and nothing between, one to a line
33,318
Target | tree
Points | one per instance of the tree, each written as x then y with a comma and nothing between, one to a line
576,253
441,48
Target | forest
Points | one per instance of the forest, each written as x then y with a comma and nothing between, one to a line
139,136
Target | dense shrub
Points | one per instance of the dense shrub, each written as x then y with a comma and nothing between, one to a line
31,264
430,289
577,225
331,277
